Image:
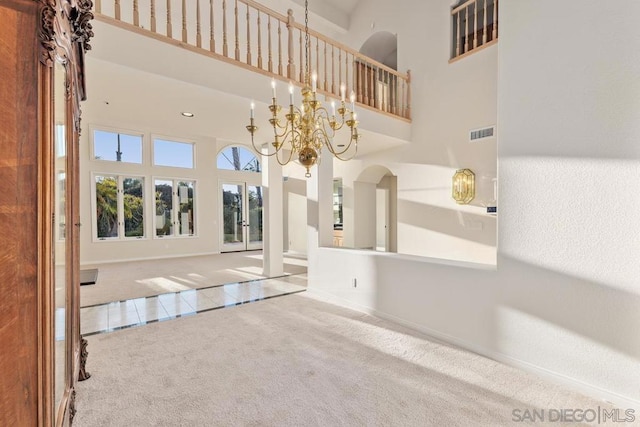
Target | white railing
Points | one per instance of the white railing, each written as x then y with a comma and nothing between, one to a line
254,36
475,25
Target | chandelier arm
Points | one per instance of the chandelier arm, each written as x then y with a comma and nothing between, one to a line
283,162
260,150
281,135
340,123
322,113
278,125
353,138
338,154
346,159
291,151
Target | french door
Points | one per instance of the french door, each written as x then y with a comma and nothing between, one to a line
241,216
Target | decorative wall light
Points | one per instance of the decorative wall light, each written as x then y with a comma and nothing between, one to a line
463,186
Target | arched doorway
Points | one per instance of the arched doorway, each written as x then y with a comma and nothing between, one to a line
375,209
383,47
241,204
376,86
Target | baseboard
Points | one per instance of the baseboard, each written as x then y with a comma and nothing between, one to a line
295,254
591,390
86,264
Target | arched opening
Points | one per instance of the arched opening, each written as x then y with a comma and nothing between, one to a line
375,210
378,86
241,199
383,47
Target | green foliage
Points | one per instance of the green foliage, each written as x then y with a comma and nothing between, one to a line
164,202
107,207
133,216
232,216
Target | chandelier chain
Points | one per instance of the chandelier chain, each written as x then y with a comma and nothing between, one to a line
306,41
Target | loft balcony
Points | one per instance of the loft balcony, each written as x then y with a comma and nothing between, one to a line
251,45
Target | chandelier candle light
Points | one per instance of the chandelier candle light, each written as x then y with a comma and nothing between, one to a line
305,130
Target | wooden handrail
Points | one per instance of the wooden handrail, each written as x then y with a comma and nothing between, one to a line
472,29
375,84
462,6
266,10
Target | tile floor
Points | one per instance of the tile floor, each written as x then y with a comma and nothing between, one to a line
117,315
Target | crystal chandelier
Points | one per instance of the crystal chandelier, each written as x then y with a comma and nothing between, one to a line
304,131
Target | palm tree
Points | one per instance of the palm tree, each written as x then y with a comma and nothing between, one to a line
107,206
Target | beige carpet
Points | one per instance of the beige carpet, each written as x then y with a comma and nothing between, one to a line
136,279
295,361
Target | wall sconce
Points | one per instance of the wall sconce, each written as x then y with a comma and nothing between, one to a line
464,186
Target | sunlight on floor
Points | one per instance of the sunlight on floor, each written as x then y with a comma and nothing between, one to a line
163,284
250,272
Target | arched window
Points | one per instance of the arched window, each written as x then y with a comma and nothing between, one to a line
235,158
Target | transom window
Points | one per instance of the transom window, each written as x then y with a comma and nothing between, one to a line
172,153
117,147
236,158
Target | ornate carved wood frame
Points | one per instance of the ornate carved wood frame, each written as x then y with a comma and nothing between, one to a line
64,33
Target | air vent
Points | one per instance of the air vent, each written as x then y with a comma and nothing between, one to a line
479,134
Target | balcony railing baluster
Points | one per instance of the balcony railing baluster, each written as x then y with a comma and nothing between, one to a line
374,84
466,19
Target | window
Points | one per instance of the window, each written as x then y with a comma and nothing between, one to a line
174,207
119,207
337,203
238,159
172,153
117,147
474,24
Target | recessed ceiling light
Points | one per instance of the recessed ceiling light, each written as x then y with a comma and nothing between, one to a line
187,114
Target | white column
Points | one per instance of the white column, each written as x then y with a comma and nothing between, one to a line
320,205
272,227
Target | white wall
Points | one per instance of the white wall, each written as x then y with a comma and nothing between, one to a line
565,298
448,100
365,215
295,209
382,218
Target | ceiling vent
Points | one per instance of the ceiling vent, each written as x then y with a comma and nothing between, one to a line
480,134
